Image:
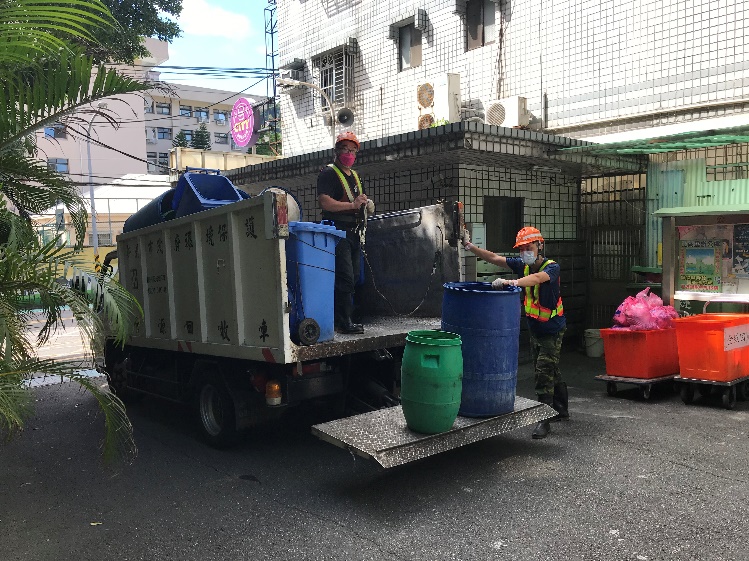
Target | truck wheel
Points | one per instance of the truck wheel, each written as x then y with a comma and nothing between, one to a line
216,414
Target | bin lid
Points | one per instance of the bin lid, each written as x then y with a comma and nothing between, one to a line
295,227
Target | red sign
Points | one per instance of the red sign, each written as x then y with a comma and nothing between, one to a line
242,122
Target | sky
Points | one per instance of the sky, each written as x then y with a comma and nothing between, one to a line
220,33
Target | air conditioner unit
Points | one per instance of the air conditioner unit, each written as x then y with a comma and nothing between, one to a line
203,119
151,136
221,122
439,101
508,112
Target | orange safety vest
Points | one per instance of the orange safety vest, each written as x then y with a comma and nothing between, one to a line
533,307
344,182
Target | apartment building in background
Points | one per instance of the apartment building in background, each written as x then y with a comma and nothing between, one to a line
133,133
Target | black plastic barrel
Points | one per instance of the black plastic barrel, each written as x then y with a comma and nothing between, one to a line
488,322
157,211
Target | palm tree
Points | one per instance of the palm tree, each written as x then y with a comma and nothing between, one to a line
43,79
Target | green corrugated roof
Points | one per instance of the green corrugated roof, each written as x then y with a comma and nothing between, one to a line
700,210
671,143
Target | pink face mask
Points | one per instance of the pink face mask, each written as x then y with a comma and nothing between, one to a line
347,159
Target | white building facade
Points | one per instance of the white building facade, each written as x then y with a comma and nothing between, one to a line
586,69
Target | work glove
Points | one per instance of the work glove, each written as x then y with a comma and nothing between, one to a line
465,237
499,284
370,207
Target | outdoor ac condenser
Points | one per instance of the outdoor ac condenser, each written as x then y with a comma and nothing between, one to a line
508,112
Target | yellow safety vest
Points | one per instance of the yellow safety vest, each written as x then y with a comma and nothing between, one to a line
344,182
533,307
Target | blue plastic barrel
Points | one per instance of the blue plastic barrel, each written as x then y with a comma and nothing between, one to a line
310,268
488,322
155,212
201,191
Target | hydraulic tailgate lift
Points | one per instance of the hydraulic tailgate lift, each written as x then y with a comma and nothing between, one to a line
383,435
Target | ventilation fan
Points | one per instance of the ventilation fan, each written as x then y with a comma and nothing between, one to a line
426,121
425,95
495,113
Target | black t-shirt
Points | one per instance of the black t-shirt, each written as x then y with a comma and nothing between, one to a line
329,184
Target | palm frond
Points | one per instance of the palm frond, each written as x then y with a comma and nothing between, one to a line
31,29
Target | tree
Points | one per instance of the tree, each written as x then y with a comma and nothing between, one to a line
44,79
135,19
180,140
201,138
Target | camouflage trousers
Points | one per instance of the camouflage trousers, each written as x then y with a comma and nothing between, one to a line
546,350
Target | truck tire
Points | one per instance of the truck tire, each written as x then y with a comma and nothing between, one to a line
216,414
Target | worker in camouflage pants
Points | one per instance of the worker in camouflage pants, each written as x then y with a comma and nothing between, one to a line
539,279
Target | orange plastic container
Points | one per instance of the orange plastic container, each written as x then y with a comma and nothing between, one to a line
701,342
640,354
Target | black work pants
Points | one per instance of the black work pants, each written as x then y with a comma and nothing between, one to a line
347,263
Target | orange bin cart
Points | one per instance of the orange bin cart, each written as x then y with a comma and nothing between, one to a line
643,358
713,351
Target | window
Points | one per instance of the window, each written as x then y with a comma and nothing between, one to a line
60,165
221,138
185,110
105,239
221,117
163,133
152,159
335,74
480,16
202,114
163,162
409,47
164,108
188,135
147,106
55,131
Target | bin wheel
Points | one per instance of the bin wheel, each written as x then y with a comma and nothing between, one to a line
742,391
729,397
645,391
309,331
611,388
216,414
704,390
687,393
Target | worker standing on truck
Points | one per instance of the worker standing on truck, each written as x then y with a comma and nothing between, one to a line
341,197
539,279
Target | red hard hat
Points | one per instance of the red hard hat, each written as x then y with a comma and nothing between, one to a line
528,234
348,135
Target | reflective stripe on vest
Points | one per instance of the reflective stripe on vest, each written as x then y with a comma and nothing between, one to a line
344,182
533,307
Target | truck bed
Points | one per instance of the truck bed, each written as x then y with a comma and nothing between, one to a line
379,333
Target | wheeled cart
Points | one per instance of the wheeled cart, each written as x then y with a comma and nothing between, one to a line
730,391
645,384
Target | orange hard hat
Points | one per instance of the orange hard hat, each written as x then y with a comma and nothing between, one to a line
348,135
528,234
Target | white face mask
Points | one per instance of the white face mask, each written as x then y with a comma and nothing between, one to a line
528,257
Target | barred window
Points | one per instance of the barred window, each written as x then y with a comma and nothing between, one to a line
334,72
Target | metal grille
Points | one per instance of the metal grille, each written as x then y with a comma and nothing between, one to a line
334,72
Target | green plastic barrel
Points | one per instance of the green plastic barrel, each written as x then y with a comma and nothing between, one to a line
431,380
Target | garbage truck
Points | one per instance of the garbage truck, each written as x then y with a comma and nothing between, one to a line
238,322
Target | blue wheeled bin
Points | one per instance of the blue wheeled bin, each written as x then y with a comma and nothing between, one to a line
488,322
200,190
310,269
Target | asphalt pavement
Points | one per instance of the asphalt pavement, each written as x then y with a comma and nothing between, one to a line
624,479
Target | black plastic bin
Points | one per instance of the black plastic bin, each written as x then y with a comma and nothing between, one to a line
197,191
157,211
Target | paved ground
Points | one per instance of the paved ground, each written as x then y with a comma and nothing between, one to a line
624,479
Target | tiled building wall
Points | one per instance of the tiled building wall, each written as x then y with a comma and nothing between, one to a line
594,59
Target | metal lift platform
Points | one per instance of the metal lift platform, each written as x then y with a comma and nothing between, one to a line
383,436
